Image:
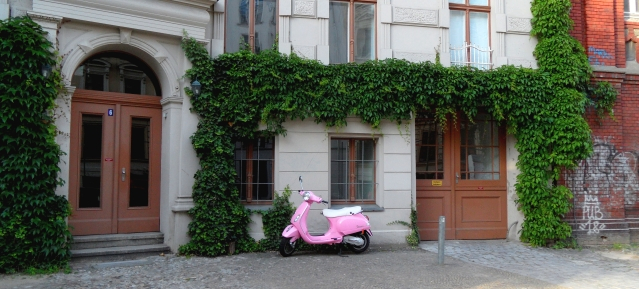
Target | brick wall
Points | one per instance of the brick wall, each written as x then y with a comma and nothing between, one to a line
606,185
599,26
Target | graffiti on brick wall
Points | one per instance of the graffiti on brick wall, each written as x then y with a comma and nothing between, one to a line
592,213
596,56
607,171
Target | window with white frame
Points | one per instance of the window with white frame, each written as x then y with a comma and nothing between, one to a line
353,167
470,33
351,31
250,23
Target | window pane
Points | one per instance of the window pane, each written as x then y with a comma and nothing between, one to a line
478,2
265,24
237,26
90,161
479,29
457,1
364,29
133,86
631,51
429,147
457,28
139,187
338,32
339,169
365,169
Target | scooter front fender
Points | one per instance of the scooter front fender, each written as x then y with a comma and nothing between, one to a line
291,232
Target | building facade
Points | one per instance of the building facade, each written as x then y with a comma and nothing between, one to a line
126,121
606,186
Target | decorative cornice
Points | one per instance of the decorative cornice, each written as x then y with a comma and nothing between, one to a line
171,100
35,16
415,16
165,17
206,4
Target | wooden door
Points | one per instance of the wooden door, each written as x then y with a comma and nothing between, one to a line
114,163
461,175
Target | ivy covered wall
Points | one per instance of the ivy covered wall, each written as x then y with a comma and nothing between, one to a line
542,108
33,228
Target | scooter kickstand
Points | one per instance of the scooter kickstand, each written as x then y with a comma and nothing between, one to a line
339,250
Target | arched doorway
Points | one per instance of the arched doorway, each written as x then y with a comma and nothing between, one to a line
114,181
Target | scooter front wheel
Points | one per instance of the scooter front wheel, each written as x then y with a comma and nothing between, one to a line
286,248
361,248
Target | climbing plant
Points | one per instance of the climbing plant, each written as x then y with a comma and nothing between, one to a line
543,108
33,229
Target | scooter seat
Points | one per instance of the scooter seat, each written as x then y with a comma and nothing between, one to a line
341,212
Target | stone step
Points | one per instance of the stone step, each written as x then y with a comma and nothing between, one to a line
117,240
120,253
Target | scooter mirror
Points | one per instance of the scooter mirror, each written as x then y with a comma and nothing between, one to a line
301,186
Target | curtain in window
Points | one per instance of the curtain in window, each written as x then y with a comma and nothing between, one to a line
338,32
457,28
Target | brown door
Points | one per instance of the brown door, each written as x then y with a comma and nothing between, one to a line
461,176
114,163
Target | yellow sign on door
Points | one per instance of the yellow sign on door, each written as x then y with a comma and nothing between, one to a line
436,183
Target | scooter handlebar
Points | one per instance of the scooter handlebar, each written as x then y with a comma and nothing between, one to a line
325,202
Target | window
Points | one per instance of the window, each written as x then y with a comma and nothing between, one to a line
470,33
353,168
251,23
630,6
351,31
254,161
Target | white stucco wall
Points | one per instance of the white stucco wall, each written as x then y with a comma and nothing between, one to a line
415,30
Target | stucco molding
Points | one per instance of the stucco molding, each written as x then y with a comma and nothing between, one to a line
528,63
414,56
146,15
413,16
304,8
304,51
92,43
518,25
182,204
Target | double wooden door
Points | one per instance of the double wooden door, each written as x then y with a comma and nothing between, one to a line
461,175
114,163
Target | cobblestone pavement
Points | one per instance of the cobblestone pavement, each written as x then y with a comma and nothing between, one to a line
469,264
380,267
587,268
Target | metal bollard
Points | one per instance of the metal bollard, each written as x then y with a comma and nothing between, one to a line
442,237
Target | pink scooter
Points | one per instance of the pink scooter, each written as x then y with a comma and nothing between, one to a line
347,226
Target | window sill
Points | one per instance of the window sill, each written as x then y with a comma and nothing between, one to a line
365,207
254,208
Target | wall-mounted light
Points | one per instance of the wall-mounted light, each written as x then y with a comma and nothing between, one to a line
196,87
46,70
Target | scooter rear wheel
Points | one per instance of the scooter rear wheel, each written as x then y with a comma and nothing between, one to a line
286,248
361,248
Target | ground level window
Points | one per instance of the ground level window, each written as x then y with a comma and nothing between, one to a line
254,161
353,167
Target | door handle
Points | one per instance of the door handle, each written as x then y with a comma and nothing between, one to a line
123,174
456,178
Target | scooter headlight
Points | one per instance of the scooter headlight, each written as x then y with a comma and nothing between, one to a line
307,196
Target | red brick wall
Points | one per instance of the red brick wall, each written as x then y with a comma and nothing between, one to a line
606,185
599,26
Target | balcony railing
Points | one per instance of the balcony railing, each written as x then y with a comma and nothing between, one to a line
471,55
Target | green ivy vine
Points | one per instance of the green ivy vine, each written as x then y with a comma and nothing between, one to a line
33,228
543,108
